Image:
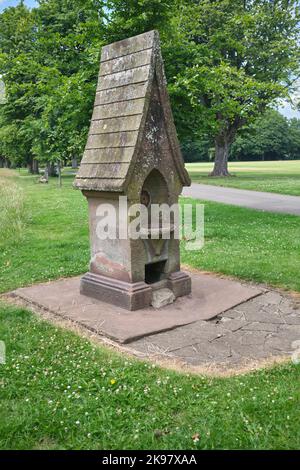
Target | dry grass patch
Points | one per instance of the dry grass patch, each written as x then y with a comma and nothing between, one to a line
12,211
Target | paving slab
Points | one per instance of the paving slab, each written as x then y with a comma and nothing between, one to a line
211,295
199,330
235,338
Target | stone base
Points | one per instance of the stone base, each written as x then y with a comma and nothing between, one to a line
122,294
131,296
180,284
211,295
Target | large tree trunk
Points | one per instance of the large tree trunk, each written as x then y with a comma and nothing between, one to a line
4,163
74,163
59,174
221,156
51,169
35,167
30,167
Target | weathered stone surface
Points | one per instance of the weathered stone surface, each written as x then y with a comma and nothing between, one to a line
172,341
264,317
122,94
260,326
126,295
208,342
116,124
292,331
108,155
253,338
272,297
278,345
128,46
232,314
108,170
232,325
206,353
285,306
63,297
125,77
292,319
119,109
112,185
118,139
129,61
197,343
132,148
162,297
129,72
190,335
180,283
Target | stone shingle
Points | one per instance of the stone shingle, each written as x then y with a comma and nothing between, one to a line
128,71
129,46
116,124
126,77
129,61
118,109
125,93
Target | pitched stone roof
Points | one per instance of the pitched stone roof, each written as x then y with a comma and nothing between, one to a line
127,72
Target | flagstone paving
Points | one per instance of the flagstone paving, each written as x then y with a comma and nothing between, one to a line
266,326
63,298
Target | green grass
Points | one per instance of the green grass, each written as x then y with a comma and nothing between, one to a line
57,390
253,245
55,240
276,177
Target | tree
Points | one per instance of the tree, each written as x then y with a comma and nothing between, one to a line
238,58
196,150
49,60
131,17
270,137
19,72
267,138
294,134
226,62
70,34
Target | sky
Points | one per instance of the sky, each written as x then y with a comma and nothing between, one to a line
288,111
285,109
12,3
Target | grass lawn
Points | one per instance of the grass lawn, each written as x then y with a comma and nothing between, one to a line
59,391
253,245
276,177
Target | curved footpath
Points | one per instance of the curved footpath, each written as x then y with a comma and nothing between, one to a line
270,202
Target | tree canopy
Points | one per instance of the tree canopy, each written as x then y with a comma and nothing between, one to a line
243,55
270,137
227,61
49,63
